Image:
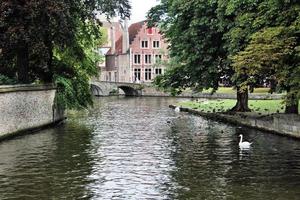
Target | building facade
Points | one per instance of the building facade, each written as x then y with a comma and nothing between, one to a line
134,54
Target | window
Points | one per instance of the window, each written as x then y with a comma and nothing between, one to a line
150,31
147,59
148,74
158,71
137,75
137,59
158,58
144,44
156,44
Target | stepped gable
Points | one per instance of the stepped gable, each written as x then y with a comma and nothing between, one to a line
134,29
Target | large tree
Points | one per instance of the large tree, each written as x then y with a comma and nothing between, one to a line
44,39
274,51
204,35
196,44
249,20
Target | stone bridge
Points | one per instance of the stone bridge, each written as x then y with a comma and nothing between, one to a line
105,88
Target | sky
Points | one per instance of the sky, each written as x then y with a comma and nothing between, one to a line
140,8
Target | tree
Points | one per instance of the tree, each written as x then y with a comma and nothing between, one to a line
250,17
39,38
196,44
274,51
204,35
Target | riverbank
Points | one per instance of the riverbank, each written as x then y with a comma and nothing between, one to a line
282,124
150,91
223,105
27,108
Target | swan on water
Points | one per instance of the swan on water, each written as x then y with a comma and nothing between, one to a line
177,109
243,145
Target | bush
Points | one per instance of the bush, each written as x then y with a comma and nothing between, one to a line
4,80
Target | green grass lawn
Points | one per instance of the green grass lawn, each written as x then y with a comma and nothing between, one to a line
230,90
218,105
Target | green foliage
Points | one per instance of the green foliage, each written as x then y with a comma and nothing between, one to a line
4,80
73,92
273,51
267,49
191,28
55,41
206,36
73,68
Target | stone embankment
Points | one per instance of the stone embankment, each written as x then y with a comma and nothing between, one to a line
24,108
283,124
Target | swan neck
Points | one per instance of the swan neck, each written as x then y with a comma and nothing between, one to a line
241,139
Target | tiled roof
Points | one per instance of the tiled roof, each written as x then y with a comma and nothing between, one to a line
119,45
134,29
118,37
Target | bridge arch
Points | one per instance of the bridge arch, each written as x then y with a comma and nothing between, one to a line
104,88
129,91
96,90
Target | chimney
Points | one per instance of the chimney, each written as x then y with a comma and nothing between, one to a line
113,39
125,35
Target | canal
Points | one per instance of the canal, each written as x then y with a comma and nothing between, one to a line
138,148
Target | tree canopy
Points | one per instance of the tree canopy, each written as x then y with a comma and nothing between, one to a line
191,28
53,41
208,40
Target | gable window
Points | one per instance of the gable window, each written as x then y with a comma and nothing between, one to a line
156,44
148,59
144,44
150,31
137,59
158,58
148,74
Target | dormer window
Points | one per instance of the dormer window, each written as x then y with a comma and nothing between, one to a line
144,44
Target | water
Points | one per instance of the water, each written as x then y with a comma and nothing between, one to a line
138,148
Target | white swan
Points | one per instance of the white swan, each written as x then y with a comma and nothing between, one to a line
177,109
244,145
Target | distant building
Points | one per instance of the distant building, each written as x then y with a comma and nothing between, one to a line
132,54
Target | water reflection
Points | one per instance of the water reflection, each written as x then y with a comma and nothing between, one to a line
138,148
46,164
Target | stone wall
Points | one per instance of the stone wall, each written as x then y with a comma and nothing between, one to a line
283,124
27,107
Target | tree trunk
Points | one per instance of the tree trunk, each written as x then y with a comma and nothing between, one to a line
48,43
23,63
242,102
49,75
292,104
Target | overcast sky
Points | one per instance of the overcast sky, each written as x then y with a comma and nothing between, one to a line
140,8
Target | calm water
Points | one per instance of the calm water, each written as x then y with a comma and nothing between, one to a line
138,148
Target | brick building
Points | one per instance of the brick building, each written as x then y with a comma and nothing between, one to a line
134,53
